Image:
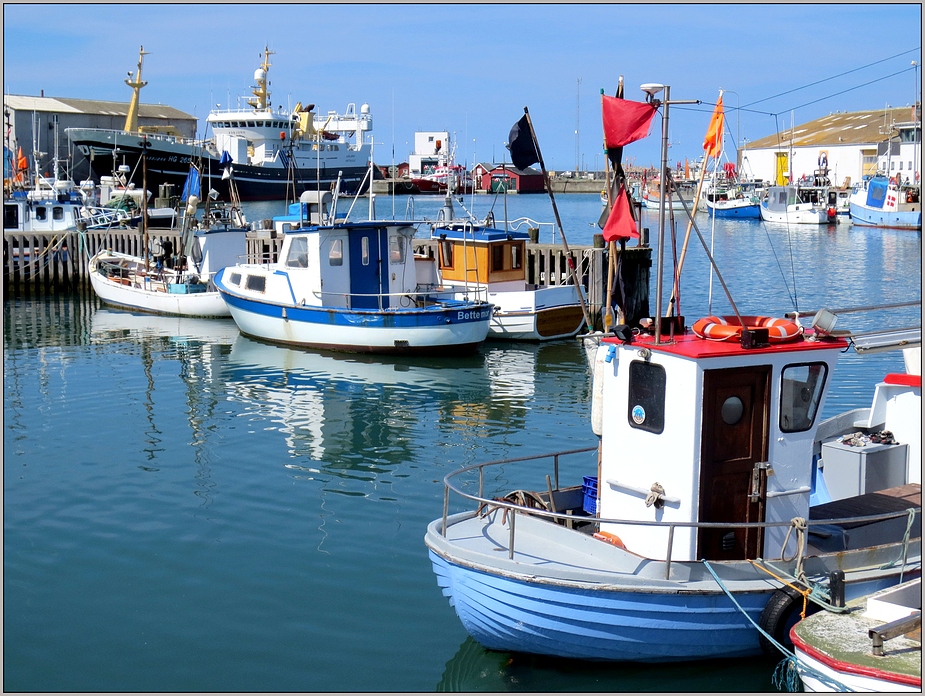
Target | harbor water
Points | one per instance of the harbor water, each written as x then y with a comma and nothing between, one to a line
187,509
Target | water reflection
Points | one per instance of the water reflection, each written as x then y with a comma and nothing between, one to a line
475,669
199,346
355,415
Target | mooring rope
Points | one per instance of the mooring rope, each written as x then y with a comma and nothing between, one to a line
785,674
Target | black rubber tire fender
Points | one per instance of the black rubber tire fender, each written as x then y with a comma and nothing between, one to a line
780,614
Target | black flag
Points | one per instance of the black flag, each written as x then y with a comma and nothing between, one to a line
520,143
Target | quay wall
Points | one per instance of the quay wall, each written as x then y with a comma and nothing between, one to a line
52,263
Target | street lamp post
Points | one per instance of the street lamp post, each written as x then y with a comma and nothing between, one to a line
738,132
651,89
916,132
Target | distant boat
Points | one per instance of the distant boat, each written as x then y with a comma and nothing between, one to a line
797,206
744,208
880,202
351,286
276,153
876,645
432,166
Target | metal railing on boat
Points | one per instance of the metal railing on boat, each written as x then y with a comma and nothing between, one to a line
513,509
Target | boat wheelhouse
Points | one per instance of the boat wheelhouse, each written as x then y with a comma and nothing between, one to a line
493,262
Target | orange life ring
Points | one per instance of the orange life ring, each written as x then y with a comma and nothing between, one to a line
909,196
729,328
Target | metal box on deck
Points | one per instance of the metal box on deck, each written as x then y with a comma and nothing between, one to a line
851,471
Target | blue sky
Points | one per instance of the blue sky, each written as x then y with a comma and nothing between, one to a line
470,69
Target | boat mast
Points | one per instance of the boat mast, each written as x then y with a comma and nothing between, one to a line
260,91
131,118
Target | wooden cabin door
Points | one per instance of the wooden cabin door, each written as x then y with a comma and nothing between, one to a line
734,450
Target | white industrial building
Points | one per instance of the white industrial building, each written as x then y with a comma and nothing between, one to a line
851,146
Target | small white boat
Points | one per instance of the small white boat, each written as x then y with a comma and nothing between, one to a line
486,261
875,645
880,202
352,286
169,283
797,206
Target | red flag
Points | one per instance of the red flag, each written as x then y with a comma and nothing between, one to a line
713,141
620,224
625,121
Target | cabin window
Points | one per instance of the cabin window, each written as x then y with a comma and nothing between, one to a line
57,213
364,251
646,408
446,254
517,259
298,253
800,393
336,253
41,213
396,249
497,258
257,283
235,279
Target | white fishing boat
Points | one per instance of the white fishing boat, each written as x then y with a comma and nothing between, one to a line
352,286
874,645
276,153
881,202
798,205
169,281
703,503
491,262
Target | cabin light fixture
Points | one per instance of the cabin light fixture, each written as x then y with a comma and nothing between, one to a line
824,322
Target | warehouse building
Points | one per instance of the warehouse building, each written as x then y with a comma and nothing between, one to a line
39,124
852,146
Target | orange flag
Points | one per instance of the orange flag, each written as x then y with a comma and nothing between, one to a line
713,141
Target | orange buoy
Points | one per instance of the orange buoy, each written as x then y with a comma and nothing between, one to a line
730,329
610,539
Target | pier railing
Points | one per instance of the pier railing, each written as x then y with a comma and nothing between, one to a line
52,262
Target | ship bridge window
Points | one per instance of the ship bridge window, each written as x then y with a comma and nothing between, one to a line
446,254
396,249
235,279
517,257
257,283
497,257
298,253
57,213
41,213
801,391
336,253
646,407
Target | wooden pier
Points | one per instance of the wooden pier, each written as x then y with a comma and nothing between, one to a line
51,263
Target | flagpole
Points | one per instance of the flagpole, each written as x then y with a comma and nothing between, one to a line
568,253
690,223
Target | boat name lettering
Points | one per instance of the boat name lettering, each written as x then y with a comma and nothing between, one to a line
469,316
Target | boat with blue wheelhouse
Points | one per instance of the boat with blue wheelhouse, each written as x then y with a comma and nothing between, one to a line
716,506
882,202
351,286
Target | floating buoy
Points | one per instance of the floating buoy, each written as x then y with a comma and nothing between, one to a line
730,329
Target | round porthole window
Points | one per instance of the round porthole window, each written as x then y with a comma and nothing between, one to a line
733,408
